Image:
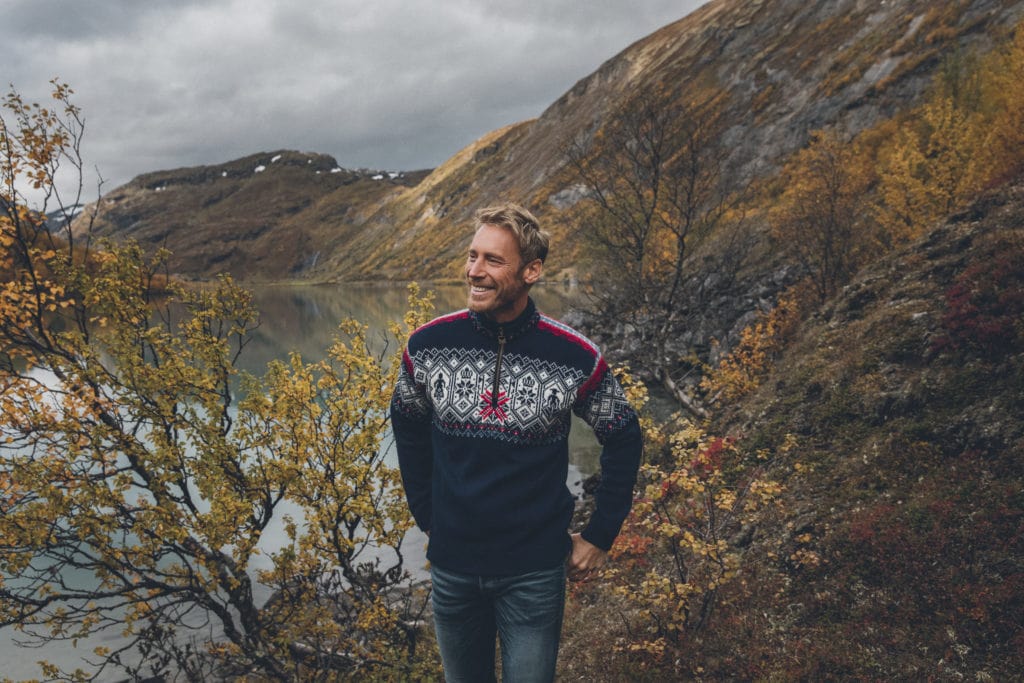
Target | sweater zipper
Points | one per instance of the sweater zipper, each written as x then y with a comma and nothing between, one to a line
497,367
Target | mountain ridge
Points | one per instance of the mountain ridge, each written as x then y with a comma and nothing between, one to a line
258,217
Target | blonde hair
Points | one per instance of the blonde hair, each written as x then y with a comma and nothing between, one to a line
532,241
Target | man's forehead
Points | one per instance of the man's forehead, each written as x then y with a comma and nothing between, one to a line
495,235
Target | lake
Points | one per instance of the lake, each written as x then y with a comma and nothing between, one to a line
305,319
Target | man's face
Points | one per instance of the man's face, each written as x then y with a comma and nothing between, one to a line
499,282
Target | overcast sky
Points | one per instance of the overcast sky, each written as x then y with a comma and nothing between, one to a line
382,84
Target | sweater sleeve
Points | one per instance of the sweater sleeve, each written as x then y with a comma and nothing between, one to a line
603,405
411,426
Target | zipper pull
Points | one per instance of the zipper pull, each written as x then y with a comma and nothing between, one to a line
497,367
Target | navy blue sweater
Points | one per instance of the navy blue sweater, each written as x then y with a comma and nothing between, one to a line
481,417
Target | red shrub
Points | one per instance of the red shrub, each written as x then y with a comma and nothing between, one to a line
985,307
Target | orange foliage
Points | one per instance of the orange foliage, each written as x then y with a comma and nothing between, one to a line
846,201
741,371
821,216
677,549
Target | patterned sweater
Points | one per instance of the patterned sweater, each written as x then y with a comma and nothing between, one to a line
481,417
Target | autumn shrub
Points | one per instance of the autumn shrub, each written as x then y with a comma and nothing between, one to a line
964,138
984,309
846,201
935,165
1003,90
743,368
140,467
678,548
821,215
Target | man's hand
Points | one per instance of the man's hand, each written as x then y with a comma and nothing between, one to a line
585,558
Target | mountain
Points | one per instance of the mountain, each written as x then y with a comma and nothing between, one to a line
266,217
785,68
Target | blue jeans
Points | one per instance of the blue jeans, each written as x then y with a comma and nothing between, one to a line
525,612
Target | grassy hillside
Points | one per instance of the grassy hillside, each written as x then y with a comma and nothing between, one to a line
896,549
906,397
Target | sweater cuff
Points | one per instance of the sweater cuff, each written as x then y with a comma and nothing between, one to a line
602,538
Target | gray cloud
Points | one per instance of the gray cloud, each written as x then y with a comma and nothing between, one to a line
386,84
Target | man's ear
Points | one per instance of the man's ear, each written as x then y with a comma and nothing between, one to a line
532,271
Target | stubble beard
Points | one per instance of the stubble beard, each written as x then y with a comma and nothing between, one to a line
496,300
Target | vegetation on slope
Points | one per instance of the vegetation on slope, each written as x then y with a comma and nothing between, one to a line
861,516
893,423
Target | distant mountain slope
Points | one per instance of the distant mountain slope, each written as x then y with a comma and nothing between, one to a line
266,217
786,67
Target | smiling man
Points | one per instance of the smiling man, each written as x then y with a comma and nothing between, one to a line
481,415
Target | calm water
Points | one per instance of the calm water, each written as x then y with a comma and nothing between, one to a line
305,319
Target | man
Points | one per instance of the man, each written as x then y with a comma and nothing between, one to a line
481,417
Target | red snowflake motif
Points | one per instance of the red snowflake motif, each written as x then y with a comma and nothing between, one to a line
491,409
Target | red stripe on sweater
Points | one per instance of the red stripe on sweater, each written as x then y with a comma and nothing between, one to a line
457,315
594,382
556,328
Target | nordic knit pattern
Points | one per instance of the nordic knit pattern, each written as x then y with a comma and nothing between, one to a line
485,469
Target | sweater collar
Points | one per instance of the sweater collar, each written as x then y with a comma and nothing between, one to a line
522,324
